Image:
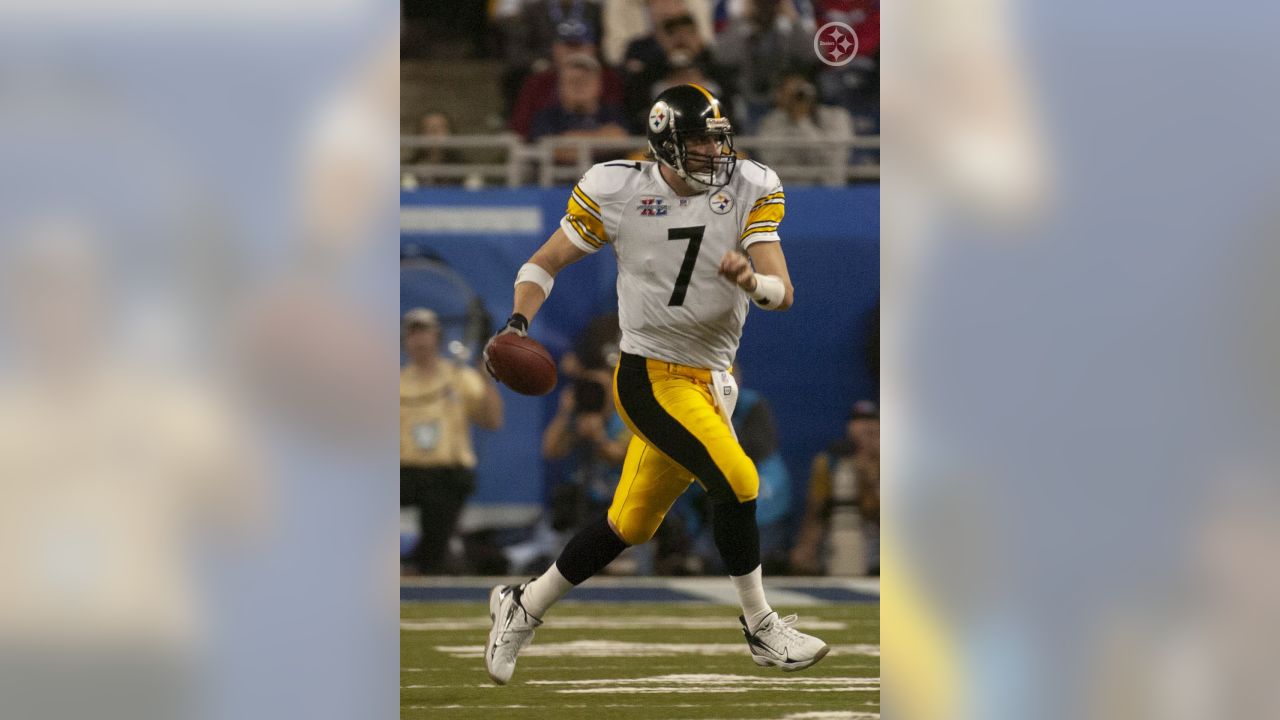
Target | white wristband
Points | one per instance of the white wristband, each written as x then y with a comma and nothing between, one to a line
531,273
770,291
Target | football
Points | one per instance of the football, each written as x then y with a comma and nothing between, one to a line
522,364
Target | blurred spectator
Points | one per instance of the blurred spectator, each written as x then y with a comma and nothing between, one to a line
581,111
529,35
726,11
799,115
597,346
586,441
770,39
434,124
649,60
438,400
844,497
589,433
629,20
465,30
682,71
540,91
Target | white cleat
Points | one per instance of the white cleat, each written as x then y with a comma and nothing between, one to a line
512,630
776,643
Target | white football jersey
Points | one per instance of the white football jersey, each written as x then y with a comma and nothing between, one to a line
673,305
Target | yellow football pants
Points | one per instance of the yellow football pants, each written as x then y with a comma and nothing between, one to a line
679,436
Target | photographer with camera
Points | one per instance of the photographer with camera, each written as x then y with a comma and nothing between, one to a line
588,433
798,114
767,39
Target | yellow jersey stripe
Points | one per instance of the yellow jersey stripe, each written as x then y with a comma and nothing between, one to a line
577,190
588,219
715,106
579,198
769,212
758,231
584,233
776,197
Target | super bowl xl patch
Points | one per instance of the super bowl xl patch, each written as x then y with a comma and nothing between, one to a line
652,206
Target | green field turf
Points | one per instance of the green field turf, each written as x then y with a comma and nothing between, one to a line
636,661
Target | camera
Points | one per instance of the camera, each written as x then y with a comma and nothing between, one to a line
804,93
588,396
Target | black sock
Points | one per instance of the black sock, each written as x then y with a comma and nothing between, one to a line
737,536
594,547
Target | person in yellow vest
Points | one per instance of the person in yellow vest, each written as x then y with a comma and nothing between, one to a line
439,401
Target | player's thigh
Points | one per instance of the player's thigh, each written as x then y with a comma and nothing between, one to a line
650,483
678,416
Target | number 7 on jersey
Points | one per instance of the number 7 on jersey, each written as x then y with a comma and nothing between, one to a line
694,236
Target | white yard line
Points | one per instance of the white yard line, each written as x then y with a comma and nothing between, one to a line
703,683
715,678
614,648
631,622
820,715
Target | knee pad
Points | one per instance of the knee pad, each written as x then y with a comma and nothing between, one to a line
743,484
636,526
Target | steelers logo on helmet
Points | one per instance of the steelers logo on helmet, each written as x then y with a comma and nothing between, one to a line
659,117
688,132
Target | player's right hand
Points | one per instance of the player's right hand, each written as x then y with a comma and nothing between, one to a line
736,267
516,324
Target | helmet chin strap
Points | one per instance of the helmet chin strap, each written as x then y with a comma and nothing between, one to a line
694,181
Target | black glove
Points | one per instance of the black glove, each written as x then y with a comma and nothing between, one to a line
516,324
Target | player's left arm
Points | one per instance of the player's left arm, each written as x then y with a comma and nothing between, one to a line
768,283
556,254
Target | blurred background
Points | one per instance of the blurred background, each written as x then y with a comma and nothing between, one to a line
196,376
504,105
1078,345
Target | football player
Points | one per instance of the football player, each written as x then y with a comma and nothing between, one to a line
696,239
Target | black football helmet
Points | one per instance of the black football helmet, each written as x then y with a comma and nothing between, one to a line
689,112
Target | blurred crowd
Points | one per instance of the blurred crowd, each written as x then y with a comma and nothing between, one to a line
591,68
833,527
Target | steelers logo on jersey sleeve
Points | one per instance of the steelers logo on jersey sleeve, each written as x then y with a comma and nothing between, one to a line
721,202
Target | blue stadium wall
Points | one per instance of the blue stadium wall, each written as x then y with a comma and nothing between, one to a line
810,363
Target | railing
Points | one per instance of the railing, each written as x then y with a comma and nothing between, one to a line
486,160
